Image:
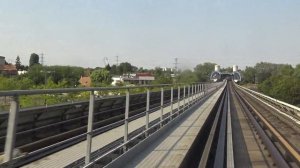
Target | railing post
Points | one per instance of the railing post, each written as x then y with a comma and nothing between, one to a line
147,111
171,103
161,106
189,99
192,93
200,90
126,120
195,94
89,134
184,105
196,91
11,129
178,101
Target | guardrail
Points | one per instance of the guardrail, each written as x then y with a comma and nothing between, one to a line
293,109
191,99
14,109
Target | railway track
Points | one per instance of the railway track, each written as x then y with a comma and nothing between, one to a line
276,133
276,139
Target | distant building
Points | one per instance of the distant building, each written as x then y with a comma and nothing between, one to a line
85,81
137,79
22,72
116,80
7,69
167,69
2,60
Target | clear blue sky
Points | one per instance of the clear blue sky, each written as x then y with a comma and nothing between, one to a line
151,32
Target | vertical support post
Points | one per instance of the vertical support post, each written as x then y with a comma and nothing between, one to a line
184,105
147,110
161,106
89,134
199,91
178,101
126,120
171,103
192,90
196,92
203,90
189,99
11,129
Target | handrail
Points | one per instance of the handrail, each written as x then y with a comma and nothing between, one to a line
14,109
69,90
273,99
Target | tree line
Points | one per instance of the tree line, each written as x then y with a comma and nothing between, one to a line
281,81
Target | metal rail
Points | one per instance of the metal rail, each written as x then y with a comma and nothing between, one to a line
158,126
230,155
11,134
277,156
295,111
204,161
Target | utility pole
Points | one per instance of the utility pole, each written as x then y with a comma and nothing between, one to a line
42,58
117,57
176,66
175,69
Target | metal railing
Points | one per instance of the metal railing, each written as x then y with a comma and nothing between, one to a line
294,111
192,97
14,109
281,103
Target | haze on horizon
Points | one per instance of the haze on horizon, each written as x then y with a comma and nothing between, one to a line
151,33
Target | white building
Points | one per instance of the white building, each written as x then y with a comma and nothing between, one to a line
137,79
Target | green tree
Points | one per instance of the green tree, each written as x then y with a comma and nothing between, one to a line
101,77
296,73
162,77
203,71
107,67
286,70
186,76
70,74
126,67
114,70
34,59
249,75
36,74
18,63
8,83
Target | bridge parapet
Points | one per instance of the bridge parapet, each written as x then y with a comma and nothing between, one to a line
291,109
13,115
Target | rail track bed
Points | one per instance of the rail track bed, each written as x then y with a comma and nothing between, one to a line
260,136
276,133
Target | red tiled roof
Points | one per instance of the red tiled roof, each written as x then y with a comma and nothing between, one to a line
144,74
8,67
85,81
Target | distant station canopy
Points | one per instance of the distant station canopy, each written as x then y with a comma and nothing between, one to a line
217,76
236,75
